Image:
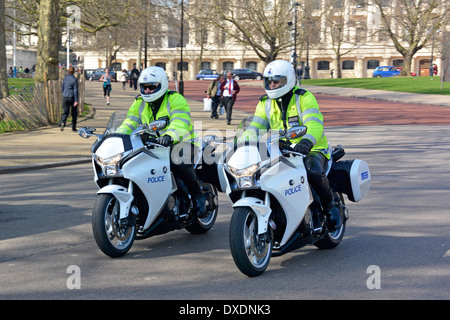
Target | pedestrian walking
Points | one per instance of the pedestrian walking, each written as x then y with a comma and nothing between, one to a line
214,93
123,78
230,89
106,78
70,99
134,77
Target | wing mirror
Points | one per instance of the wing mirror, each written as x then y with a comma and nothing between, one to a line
157,125
294,132
87,132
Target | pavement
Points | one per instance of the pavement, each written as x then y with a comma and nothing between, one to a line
49,147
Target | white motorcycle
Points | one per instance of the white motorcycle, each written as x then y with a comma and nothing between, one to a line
139,197
274,208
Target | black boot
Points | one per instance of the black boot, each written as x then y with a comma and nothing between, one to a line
198,205
334,216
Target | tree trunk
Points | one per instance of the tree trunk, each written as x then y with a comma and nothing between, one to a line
48,39
338,66
407,60
4,91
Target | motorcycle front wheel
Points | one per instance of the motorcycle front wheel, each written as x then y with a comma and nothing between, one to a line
251,253
113,237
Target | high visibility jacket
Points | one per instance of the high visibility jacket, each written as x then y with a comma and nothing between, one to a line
303,109
173,106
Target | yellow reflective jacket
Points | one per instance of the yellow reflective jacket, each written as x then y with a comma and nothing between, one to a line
303,109
173,106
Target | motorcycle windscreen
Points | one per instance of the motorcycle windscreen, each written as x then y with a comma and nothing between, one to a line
110,147
115,121
245,156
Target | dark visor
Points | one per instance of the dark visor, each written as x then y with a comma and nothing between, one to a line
152,86
281,80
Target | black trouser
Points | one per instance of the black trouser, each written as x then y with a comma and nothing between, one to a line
106,90
228,103
181,163
133,83
67,106
214,104
316,165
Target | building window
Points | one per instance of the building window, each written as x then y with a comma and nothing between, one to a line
251,65
398,63
323,65
383,35
228,65
373,64
360,4
116,66
185,66
348,65
161,65
205,65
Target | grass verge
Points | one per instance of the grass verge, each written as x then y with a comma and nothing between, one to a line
427,85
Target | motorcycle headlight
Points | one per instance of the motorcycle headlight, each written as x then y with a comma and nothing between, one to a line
110,165
245,176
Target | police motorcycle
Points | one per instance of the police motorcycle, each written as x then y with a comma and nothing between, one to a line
138,196
275,210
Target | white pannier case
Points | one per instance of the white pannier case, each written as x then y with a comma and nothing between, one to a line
351,177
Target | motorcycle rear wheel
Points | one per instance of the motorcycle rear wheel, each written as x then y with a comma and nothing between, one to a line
250,254
113,238
203,225
332,238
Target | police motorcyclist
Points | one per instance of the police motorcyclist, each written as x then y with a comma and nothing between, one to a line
156,102
278,109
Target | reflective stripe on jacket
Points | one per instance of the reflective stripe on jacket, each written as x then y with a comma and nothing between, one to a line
174,106
303,109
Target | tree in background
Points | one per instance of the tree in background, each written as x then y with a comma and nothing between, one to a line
411,24
259,24
4,91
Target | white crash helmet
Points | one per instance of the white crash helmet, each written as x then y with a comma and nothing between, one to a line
282,71
153,76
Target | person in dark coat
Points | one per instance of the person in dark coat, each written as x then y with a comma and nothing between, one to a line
229,89
134,75
70,99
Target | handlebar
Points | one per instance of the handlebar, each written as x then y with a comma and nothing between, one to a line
291,151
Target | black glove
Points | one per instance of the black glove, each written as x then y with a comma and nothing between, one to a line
303,147
165,140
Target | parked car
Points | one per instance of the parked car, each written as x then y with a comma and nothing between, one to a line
97,74
400,69
207,74
88,73
245,73
385,72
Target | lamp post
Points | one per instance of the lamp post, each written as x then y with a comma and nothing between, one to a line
307,76
308,33
181,82
294,55
431,58
432,49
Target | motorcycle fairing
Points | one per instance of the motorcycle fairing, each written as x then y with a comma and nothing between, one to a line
290,187
122,195
153,181
261,210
